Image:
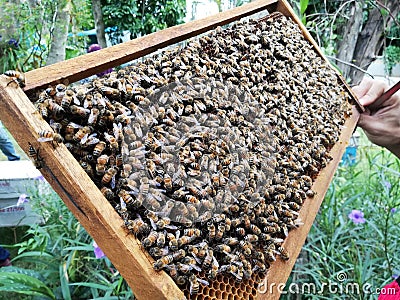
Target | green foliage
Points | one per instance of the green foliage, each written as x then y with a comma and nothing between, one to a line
32,24
392,57
143,17
345,254
392,51
57,260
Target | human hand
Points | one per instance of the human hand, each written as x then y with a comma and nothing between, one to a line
380,121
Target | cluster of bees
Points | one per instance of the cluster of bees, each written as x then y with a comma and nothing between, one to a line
207,151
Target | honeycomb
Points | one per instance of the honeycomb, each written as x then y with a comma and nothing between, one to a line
224,287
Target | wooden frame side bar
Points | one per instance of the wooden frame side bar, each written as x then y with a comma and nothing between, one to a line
83,198
89,64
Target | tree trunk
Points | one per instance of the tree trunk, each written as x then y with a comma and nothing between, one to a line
99,23
368,42
60,32
350,35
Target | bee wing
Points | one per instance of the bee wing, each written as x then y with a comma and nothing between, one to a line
76,101
44,139
85,138
197,268
153,224
202,281
123,204
113,182
215,262
74,125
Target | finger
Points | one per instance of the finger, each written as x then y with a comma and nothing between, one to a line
374,92
361,89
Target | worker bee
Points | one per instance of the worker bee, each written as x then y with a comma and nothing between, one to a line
82,134
111,140
163,262
126,197
137,226
194,284
109,176
47,135
108,193
79,110
283,253
245,247
161,239
172,241
208,259
35,157
17,77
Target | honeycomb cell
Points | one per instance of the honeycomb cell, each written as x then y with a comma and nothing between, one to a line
211,292
215,284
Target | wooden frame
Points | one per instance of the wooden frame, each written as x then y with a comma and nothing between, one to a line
85,200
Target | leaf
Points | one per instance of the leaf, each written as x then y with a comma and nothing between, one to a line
23,284
64,282
303,6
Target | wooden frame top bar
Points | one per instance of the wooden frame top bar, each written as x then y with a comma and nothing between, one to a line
89,64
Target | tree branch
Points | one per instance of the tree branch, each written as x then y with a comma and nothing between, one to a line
350,65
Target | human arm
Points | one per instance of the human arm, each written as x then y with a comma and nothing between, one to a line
380,122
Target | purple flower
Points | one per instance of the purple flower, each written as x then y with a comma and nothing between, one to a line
13,42
387,184
393,210
40,178
22,199
357,216
94,47
97,251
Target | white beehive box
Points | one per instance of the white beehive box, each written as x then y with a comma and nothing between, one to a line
18,178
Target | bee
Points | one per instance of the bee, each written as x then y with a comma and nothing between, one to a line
108,193
283,253
220,231
163,223
79,110
163,262
223,248
192,232
167,182
47,135
208,259
111,140
93,116
194,285
184,240
245,247
17,77
151,239
161,239
137,226
99,148
251,238
82,134
35,157
178,255
153,218
109,176
211,231
128,199
172,241
310,193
